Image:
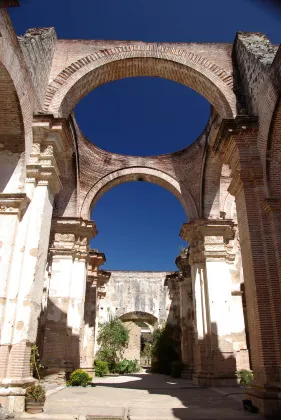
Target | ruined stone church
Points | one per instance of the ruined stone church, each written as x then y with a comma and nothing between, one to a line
228,284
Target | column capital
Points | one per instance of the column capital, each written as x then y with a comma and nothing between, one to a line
71,236
209,240
182,262
172,282
15,203
51,144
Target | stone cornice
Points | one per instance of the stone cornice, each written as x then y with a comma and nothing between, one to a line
75,225
51,143
182,262
71,236
209,240
96,259
229,127
15,203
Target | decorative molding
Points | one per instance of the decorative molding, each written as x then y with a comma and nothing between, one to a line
13,203
229,127
209,240
71,236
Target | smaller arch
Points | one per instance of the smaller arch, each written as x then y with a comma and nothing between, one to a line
139,316
139,174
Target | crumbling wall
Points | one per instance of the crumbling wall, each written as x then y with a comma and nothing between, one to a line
136,291
38,47
253,54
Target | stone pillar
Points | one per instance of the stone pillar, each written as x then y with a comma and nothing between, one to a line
211,243
27,260
172,282
95,281
256,218
65,308
186,313
12,208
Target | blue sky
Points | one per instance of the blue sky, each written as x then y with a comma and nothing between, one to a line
139,223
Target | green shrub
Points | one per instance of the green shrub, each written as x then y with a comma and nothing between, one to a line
113,338
35,393
245,376
165,348
101,367
79,378
177,367
126,366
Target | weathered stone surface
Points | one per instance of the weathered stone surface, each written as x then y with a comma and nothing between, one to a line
140,292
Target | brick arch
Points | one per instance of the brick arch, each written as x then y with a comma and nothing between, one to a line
12,136
273,161
139,316
104,66
11,59
138,174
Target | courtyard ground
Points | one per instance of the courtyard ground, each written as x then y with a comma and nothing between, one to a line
144,396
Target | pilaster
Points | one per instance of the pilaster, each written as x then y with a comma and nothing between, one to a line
211,250
95,291
258,221
186,313
69,253
24,285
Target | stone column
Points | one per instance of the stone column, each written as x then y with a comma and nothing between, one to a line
211,243
186,313
27,264
12,208
95,280
172,282
65,308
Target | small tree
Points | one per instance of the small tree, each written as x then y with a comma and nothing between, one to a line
113,338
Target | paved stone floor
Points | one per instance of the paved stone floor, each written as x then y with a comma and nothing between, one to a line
145,397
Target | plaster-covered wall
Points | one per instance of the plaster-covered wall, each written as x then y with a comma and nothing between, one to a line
136,291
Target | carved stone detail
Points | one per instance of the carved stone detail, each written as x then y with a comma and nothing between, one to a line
71,236
209,240
13,203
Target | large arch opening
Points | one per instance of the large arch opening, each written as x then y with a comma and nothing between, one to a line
12,141
142,116
144,220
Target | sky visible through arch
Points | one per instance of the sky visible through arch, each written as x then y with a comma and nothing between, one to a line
139,222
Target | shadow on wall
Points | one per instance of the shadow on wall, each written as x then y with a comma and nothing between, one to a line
58,344
214,361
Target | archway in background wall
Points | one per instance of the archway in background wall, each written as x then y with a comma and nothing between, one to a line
141,326
138,316
91,71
